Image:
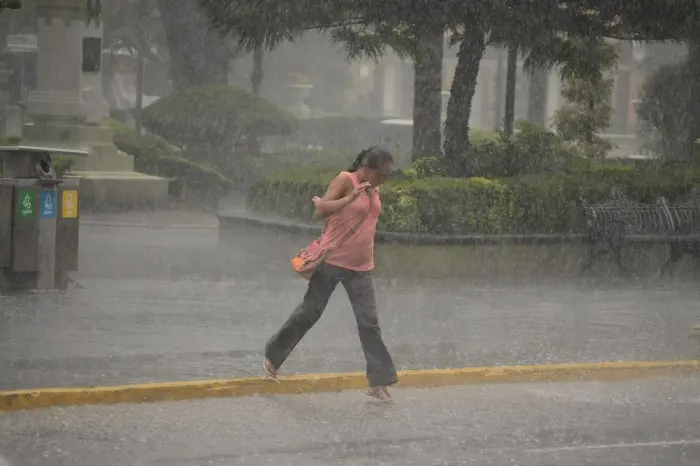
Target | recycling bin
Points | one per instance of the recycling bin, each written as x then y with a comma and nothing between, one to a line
39,216
34,202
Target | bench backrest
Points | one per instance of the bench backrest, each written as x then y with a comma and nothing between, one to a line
634,218
685,215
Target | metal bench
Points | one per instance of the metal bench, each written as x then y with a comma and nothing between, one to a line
622,220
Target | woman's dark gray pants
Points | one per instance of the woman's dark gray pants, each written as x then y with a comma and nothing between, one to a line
380,367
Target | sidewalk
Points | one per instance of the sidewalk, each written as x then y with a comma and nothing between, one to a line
643,423
138,331
172,304
152,219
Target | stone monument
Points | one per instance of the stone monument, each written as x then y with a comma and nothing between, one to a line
67,107
19,52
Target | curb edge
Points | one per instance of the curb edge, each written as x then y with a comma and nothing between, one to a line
15,400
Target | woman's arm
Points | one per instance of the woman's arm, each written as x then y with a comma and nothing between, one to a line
339,194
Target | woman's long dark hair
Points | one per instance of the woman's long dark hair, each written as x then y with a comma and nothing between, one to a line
374,157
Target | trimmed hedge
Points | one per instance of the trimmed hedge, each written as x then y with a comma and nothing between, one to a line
155,156
214,119
539,203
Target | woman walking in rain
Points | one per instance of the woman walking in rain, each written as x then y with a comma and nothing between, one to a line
352,206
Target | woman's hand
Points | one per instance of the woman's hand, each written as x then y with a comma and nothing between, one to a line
339,194
354,194
359,189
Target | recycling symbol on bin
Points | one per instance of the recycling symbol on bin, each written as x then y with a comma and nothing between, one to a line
27,201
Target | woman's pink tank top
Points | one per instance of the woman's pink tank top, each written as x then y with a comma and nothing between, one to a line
356,252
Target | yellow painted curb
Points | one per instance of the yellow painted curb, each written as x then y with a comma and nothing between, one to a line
48,397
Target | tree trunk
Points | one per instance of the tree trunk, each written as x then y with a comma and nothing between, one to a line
139,91
427,97
511,83
256,78
459,106
537,97
198,55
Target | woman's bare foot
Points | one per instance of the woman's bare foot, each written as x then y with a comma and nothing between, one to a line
381,393
270,370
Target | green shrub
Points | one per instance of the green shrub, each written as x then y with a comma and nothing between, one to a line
435,206
426,167
549,203
537,203
154,156
532,150
289,194
481,136
210,121
119,114
644,183
61,165
444,206
186,175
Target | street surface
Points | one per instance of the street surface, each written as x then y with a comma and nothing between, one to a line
163,304
641,423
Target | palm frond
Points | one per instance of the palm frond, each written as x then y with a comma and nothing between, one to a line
374,41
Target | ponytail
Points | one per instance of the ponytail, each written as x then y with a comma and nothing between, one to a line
374,157
358,161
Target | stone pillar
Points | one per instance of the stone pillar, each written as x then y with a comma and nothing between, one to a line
4,73
67,107
56,105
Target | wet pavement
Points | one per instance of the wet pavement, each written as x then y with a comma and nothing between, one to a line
643,423
163,304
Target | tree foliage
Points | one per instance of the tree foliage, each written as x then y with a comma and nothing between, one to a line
135,25
199,54
562,32
588,108
665,108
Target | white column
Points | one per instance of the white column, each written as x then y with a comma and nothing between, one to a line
553,94
390,78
